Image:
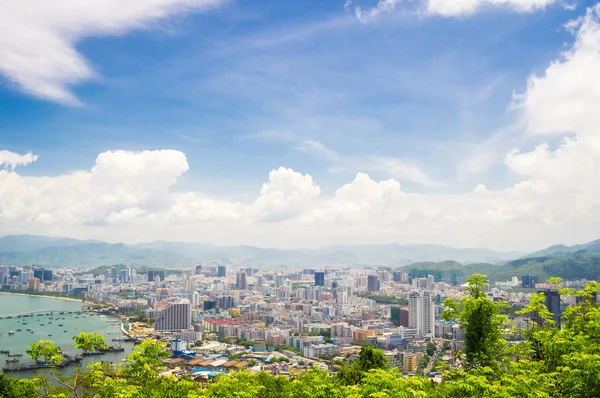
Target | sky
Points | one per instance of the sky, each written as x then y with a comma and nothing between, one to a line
302,124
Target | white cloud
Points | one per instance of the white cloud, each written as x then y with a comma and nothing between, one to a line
12,160
369,15
129,196
451,8
38,37
566,98
465,7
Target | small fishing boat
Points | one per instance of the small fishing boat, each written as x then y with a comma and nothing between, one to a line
16,354
4,352
11,333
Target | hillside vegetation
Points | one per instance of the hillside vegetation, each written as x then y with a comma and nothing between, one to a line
569,267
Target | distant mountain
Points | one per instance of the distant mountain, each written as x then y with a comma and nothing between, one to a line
94,255
390,254
24,243
590,247
29,249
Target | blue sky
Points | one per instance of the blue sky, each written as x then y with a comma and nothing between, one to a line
410,93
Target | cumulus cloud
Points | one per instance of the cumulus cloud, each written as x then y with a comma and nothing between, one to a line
38,38
12,160
566,98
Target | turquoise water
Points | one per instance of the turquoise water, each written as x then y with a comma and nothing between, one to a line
46,327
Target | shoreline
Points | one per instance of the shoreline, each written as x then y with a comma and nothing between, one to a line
45,296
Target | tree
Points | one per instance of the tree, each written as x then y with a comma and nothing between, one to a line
371,358
89,342
45,351
16,388
482,324
431,347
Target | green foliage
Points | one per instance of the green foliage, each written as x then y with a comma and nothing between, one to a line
45,351
88,342
16,388
482,324
431,347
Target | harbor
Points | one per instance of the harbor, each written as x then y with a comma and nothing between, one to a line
59,323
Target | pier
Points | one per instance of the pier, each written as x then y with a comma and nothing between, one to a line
33,313
67,360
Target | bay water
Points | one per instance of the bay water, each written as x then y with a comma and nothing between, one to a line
51,325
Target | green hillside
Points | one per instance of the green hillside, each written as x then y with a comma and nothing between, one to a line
566,266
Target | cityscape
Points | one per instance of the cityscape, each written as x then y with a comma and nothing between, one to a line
284,322
299,199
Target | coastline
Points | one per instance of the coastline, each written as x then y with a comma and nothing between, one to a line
44,296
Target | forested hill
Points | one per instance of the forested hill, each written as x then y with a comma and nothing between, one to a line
566,266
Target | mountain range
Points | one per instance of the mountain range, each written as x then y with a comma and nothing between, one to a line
59,252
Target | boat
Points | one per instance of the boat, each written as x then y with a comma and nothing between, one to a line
42,324
16,354
60,324
66,331
49,335
28,330
18,330
11,333
67,360
12,360
4,352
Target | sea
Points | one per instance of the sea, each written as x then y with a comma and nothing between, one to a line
50,324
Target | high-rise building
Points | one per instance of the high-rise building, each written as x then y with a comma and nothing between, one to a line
198,269
421,313
47,275
221,271
208,305
552,303
320,278
404,277
225,302
177,316
113,273
240,282
279,280
397,277
395,315
123,275
529,281
151,275
38,273
372,283
34,283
